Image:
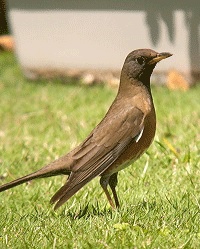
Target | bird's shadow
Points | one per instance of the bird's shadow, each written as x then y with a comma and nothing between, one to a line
87,211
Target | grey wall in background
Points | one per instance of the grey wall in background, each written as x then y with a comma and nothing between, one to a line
99,34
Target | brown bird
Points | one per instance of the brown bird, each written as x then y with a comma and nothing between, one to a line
123,135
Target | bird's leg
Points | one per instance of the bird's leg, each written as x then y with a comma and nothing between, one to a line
104,183
113,183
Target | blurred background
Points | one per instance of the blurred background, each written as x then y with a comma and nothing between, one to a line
90,39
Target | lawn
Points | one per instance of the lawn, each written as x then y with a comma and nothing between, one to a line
159,194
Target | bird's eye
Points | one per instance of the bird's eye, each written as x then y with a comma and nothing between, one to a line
140,60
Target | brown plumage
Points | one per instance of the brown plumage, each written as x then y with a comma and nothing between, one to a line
123,135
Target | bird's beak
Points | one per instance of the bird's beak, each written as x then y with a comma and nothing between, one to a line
159,57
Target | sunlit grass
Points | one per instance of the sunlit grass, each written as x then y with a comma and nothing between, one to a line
159,194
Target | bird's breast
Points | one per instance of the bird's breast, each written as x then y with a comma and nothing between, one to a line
135,149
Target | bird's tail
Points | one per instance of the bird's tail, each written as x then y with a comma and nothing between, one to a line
47,171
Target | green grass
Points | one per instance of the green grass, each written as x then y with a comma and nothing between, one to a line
159,194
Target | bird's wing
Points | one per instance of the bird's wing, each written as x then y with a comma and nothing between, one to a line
100,149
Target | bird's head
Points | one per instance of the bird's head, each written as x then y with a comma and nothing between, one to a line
140,63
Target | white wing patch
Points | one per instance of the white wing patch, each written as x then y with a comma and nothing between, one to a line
137,138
